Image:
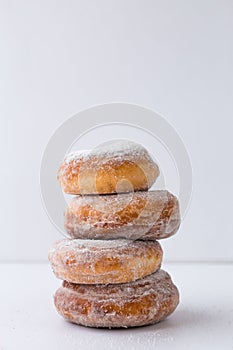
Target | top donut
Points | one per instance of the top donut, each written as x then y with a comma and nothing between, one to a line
113,167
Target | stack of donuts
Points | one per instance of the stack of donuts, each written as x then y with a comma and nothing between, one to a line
110,261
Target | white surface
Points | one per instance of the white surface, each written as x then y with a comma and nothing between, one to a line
203,320
57,57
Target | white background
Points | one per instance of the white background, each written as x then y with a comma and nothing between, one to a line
58,57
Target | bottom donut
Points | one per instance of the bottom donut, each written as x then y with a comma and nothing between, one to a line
139,303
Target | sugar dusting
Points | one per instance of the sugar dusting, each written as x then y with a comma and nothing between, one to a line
125,166
117,149
87,244
140,287
139,215
99,261
114,305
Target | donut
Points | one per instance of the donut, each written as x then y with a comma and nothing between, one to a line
113,167
99,261
142,302
138,215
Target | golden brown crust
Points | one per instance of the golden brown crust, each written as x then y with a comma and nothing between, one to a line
139,215
145,301
104,173
98,261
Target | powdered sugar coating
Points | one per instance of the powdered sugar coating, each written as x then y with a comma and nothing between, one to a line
100,261
112,167
139,215
81,245
138,303
138,288
76,155
115,149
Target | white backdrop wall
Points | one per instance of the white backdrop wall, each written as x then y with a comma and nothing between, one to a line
58,57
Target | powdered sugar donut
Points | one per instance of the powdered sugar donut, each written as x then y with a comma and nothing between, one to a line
143,302
139,215
98,261
114,167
